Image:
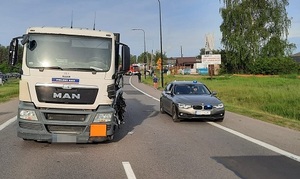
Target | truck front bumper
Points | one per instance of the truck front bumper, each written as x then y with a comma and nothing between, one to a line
27,131
65,126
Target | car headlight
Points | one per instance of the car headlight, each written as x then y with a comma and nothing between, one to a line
103,117
28,115
185,106
221,105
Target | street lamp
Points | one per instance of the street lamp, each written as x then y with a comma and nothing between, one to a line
161,51
145,61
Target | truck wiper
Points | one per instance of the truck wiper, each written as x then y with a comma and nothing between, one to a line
93,69
51,67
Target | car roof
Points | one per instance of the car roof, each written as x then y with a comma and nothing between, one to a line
186,82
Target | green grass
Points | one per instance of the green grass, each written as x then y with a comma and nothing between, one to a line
274,99
9,90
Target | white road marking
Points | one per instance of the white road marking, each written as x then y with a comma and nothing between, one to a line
142,91
258,142
7,123
128,170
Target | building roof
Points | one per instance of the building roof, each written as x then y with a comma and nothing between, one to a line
186,60
296,54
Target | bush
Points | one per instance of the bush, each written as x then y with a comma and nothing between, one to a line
275,66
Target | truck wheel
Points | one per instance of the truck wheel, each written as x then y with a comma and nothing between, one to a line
174,114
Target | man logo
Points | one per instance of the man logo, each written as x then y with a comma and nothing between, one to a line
66,96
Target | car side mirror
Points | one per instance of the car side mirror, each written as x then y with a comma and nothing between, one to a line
168,92
213,93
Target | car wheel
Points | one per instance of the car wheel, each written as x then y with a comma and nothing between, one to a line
174,114
161,108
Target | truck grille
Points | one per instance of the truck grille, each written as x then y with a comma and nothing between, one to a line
31,126
65,117
65,129
52,94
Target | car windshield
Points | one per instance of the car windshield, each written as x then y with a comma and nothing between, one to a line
69,52
191,89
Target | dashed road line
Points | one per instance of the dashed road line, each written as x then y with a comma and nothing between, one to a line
128,170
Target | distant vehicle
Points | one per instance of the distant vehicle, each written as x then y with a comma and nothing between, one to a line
133,70
3,77
191,100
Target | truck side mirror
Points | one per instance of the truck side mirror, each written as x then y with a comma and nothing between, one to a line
125,58
13,51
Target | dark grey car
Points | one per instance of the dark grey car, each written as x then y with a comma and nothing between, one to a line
191,100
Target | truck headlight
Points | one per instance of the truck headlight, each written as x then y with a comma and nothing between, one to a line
103,117
28,115
185,106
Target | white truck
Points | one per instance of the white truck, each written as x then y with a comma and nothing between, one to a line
70,88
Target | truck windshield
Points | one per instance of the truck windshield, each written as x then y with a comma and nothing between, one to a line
69,52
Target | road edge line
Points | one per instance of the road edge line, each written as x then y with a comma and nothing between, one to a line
258,142
7,123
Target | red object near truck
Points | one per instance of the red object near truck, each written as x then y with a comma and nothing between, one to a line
133,70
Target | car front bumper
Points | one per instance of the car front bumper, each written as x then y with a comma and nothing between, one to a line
190,113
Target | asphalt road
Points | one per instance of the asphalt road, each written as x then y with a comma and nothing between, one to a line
150,145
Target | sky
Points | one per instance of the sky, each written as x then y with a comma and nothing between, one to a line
185,23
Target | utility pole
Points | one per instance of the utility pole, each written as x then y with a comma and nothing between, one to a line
145,60
161,51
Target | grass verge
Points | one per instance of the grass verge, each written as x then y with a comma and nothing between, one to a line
274,99
9,90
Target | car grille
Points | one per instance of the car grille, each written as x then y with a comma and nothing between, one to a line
197,107
206,107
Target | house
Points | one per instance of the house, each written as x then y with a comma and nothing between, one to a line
296,57
193,65
186,61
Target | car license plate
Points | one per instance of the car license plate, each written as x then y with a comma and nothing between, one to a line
201,112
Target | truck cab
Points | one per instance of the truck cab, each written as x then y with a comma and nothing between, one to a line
69,84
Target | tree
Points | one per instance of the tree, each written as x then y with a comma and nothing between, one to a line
144,57
133,59
254,29
157,56
4,66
